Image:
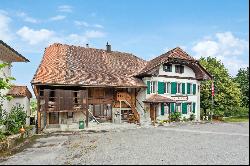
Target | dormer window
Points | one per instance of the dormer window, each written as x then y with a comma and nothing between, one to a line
167,67
179,69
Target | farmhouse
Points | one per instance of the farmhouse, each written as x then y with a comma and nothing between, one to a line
74,83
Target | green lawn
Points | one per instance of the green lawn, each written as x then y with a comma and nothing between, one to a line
236,119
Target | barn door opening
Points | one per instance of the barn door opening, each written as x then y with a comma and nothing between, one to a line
53,118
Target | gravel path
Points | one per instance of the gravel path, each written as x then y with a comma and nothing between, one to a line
219,143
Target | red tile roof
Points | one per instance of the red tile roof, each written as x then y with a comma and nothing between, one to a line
155,98
177,54
74,65
19,91
9,54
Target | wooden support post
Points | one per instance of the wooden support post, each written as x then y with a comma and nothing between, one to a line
120,111
154,113
87,117
38,122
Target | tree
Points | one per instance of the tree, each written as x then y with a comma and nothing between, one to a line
227,93
33,106
242,78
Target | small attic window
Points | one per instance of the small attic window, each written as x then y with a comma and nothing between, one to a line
167,67
179,69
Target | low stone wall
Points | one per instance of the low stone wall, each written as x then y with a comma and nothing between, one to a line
13,140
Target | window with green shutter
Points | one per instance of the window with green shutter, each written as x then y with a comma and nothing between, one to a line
194,89
162,108
148,87
193,107
188,88
183,88
172,106
184,108
173,87
161,87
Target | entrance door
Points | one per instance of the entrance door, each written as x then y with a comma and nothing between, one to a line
53,118
152,112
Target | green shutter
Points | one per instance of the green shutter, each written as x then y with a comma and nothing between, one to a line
161,87
162,108
193,107
172,107
173,87
194,89
184,108
148,87
183,88
188,88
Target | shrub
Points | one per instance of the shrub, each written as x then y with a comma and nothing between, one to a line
15,119
2,136
176,116
184,119
192,117
237,112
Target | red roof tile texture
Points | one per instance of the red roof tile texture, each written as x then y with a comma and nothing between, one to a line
19,91
75,65
155,98
177,53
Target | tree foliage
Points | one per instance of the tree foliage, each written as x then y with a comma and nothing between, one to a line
227,92
242,78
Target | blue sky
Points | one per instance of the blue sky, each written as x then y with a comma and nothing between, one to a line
146,28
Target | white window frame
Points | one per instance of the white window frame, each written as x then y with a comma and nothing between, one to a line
167,87
165,67
180,88
191,88
189,105
166,109
153,86
176,107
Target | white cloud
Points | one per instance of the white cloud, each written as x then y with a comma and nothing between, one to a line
97,26
77,39
81,23
57,18
226,47
34,37
5,33
65,8
85,24
94,34
43,37
27,18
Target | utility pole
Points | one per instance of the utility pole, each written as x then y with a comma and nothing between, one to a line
212,88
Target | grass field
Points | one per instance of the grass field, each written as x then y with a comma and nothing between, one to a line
236,119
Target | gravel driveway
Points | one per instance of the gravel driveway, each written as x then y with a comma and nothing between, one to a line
218,143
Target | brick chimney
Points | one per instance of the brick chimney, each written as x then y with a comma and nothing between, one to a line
108,47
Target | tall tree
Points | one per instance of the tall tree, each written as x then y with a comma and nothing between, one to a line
242,78
227,94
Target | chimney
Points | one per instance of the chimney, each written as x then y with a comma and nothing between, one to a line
108,46
87,45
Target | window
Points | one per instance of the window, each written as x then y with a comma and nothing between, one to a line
153,86
179,69
178,107
189,108
167,87
179,87
166,109
70,114
167,67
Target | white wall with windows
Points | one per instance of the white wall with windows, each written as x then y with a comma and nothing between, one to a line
165,70
193,101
